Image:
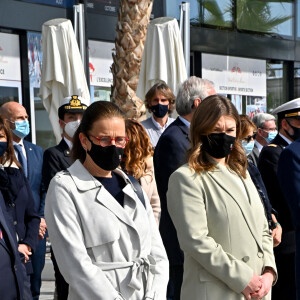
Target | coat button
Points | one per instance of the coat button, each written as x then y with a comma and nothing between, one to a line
16,269
245,258
260,254
13,204
15,222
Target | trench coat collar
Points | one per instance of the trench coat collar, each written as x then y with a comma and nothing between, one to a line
244,203
84,181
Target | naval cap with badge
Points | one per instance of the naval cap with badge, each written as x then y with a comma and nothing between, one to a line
290,109
73,104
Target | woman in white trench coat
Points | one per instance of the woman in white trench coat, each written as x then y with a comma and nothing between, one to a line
105,241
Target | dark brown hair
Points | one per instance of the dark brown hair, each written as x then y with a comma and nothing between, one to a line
96,111
9,156
160,88
137,150
203,122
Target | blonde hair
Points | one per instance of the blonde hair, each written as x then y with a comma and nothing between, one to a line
137,150
203,122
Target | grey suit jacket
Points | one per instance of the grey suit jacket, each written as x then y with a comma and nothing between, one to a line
104,251
221,229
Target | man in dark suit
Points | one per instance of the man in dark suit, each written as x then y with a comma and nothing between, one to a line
12,272
289,177
31,158
58,158
267,165
170,154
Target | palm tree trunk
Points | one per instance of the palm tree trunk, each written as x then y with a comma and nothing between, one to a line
133,19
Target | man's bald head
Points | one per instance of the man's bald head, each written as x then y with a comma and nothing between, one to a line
13,111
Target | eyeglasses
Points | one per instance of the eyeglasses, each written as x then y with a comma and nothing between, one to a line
269,129
249,138
105,141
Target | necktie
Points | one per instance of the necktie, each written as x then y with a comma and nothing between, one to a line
21,158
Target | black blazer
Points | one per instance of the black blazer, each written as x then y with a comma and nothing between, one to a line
21,208
55,160
267,165
169,155
11,270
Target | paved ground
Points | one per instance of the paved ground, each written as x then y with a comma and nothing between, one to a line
48,285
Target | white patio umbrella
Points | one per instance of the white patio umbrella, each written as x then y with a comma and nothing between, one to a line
62,70
163,57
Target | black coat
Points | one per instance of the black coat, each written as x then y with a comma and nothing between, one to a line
267,165
169,155
20,207
11,270
55,160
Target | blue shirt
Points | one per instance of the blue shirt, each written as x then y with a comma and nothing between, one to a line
154,130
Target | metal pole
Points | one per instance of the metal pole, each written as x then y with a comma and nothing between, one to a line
75,7
185,32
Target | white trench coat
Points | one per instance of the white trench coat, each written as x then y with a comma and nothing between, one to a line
103,250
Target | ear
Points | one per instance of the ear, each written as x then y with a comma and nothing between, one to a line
61,124
197,101
85,143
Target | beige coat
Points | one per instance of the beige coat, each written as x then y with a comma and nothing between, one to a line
104,251
223,233
148,184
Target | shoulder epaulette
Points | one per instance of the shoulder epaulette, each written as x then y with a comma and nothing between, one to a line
272,145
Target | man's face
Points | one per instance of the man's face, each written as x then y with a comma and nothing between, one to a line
293,122
18,113
269,126
159,99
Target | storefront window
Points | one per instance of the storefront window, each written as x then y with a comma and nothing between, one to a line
297,80
42,132
275,85
173,9
273,17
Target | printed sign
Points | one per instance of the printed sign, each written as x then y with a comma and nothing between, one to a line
10,69
109,7
59,3
100,61
235,75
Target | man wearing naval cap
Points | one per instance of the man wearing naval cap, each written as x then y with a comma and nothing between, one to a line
58,158
288,173
288,131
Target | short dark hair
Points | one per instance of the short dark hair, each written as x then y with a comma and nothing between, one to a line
162,88
96,111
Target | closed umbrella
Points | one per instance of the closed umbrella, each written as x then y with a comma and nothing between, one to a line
163,57
62,71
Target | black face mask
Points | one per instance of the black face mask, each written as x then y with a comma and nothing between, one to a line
296,133
3,147
107,158
159,110
218,145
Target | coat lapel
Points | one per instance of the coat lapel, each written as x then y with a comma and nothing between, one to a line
244,203
85,181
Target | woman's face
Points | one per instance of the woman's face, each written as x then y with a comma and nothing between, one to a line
249,135
113,128
226,124
3,137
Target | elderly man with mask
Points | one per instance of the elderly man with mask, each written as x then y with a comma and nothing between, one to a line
266,132
169,155
58,158
30,157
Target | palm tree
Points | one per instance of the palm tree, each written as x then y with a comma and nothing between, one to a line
133,19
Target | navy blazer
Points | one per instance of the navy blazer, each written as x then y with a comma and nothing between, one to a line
56,159
288,173
34,155
11,270
20,206
169,155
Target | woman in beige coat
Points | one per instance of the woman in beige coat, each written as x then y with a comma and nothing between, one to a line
218,214
105,241
138,162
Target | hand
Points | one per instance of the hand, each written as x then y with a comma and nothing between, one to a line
253,286
26,250
267,281
43,228
276,234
